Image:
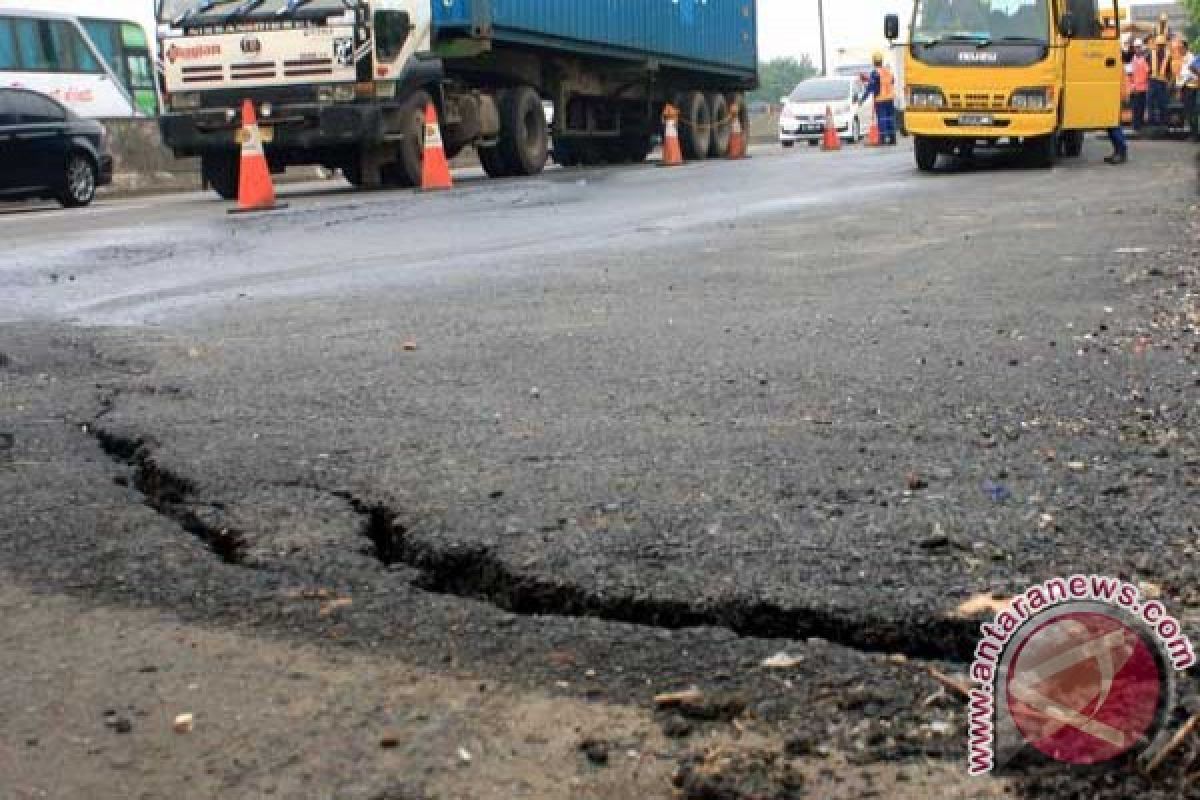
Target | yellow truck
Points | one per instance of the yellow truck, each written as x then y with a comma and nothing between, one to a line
1034,74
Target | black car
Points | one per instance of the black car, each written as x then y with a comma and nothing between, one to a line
48,151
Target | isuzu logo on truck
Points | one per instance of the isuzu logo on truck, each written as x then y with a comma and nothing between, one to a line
979,57
177,53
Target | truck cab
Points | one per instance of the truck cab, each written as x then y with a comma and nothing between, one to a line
333,82
1036,74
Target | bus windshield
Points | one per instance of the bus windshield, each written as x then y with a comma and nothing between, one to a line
981,21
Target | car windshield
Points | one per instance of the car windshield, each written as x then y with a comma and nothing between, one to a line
822,91
174,9
939,21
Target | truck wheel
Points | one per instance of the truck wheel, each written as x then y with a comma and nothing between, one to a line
722,126
220,171
493,162
410,156
637,147
926,151
524,141
695,130
1041,151
1071,144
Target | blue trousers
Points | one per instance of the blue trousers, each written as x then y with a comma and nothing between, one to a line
885,113
1160,98
1117,137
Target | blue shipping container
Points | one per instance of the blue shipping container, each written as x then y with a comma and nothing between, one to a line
711,35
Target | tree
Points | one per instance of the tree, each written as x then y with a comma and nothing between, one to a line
779,76
1193,8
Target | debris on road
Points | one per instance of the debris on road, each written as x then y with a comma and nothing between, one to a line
959,686
596,751
184,723
782,661
981,605
464,756
998,492
696,704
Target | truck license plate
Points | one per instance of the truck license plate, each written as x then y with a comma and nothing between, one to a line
267,133
976,120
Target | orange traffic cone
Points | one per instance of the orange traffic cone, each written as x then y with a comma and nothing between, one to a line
873,137
255,190
831,140
737,139
672,151
435,170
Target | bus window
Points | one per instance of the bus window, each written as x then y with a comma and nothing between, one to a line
53,46
8,45
124,48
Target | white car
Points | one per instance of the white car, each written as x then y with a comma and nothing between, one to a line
803,117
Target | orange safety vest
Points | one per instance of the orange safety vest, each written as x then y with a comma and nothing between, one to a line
1141,74
887,85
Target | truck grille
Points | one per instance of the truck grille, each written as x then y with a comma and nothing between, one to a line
208,74
978,101
264,70
308,67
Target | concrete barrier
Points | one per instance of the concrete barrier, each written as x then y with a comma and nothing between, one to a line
142,164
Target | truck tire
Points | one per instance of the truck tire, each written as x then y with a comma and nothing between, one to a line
493,162
695,130
1071,144
410,156
220,171
926,151
524,140
1041,151
722,126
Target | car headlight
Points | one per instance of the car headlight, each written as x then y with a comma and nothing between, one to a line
185,101
1034,99
926,97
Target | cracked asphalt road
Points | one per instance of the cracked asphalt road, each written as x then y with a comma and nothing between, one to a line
615,432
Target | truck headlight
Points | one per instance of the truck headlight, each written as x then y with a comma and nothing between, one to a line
185,101
926,97
1033,99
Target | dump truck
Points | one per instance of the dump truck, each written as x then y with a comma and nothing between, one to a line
1033,74
345,83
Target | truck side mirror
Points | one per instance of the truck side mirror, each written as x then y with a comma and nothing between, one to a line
1066,24
891,27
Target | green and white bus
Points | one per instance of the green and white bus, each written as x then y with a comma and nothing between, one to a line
99,63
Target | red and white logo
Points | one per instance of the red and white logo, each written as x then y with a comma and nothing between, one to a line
1085,688
192,52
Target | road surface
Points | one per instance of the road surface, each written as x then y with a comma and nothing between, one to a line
579,440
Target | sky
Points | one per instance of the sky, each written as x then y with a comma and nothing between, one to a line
789,27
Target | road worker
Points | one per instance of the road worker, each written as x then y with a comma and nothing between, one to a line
1139,84
1160,81
882,87
1188,81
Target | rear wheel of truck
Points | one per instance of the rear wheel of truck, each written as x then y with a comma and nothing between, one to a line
1070,144
410,156
722,126
926,151
493,162
524,141
695,130
220,171
1041,151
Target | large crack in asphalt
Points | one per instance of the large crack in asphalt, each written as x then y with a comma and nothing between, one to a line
169,494
478,573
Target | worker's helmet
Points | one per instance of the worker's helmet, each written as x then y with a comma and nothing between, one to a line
1138,43
877,57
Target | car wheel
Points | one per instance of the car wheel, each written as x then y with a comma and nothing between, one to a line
1041,151
79,184
493,162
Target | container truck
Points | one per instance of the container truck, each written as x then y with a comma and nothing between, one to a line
345,83
1035,74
